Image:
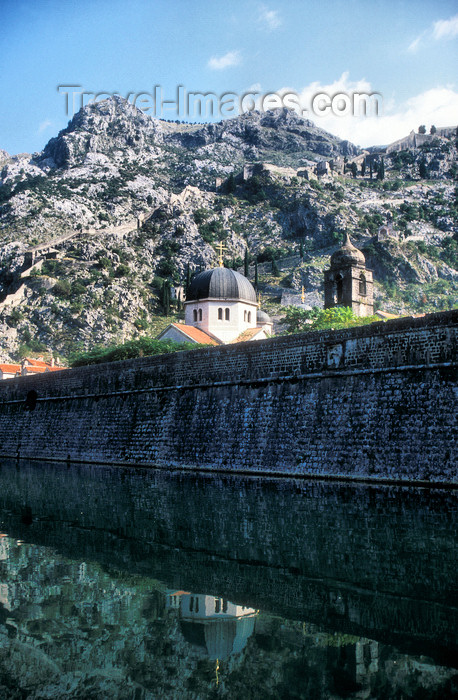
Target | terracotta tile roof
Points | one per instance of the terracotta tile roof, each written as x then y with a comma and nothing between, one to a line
195,334
31,365
36,363
10,369
249,334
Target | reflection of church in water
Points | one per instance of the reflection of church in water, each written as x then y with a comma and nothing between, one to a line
216,626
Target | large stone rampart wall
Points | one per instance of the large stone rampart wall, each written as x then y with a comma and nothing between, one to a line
375,402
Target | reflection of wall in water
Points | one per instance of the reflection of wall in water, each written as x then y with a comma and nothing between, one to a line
4,547
61,621
317,551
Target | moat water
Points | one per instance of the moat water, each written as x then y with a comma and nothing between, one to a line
129,583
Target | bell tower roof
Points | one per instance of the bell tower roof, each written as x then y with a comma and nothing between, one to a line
348,254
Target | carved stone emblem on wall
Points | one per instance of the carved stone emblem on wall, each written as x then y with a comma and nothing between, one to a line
335,354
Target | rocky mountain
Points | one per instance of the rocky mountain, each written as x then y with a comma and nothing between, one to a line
127,202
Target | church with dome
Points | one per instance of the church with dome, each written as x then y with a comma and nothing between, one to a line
220,308
221,305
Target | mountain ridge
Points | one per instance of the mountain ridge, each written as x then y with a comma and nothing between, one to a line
139,197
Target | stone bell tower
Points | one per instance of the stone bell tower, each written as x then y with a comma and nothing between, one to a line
348,282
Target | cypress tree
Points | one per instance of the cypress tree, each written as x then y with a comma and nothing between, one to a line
166,297
188,280
246,263
230,184
256,280
301,250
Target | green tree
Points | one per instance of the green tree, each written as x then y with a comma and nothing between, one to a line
246,263
423,170
230,184
422,129
275,268
354,169
256,279
433,129
165,297
62,289
301,250
298,320
381,170
363,168
134,348
188,281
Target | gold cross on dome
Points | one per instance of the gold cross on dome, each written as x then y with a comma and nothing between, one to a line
220,258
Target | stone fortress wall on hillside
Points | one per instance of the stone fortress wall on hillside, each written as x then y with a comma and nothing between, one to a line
375,402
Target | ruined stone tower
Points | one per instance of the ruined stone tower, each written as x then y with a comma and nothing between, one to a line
348,282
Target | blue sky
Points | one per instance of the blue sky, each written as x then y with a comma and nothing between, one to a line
405,51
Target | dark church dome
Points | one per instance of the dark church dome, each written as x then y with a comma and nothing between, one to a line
348,254
219,638
221,283
262,317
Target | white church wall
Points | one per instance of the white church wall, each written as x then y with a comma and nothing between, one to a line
224,329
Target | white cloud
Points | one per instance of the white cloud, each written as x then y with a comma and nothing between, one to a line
446,28
44,125
442,29
414,46
437,106
269,19
231,58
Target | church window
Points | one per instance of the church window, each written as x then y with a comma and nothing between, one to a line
191,604
362,285
249,316
217,605
220,314
224,606
194,315
244,315
200,314
228,315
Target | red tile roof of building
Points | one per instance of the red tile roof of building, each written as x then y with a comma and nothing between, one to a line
195,334
249,334
37,363
10,369
33,365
